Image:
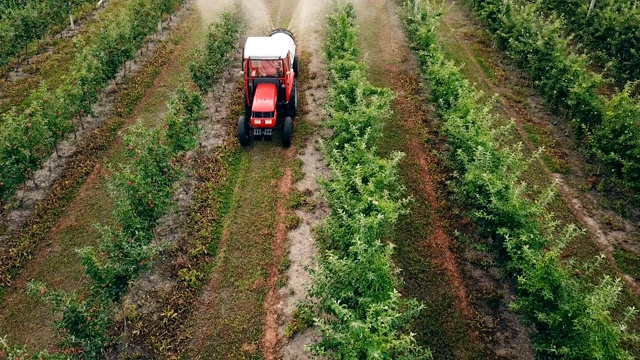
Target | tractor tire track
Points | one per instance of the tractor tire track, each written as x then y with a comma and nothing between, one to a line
271,314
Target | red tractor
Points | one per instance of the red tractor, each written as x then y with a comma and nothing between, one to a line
270,67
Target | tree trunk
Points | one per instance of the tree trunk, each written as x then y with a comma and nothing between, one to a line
593,3
71,21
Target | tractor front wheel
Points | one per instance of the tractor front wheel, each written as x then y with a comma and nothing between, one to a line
296,65
243,132
287,131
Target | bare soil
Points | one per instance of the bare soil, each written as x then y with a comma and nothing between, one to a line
307,25
271,311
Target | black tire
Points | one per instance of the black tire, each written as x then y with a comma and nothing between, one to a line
243,132
295,65
247,108
287,131
293,100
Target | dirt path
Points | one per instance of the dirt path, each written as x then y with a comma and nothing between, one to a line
248,273
571,172
307,23
271,313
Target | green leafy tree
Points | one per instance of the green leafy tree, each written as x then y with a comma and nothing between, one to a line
83,322
210,62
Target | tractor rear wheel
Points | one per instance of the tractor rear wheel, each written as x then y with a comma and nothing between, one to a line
247,108
293,100
287,131
243,132
295,65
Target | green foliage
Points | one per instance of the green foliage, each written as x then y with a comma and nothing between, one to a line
341,36
184,110
302,319
25,21
363,195
143,189
211,61
571,314
359,311
53,111
376,335
83,323
617,141
537,45
611,33
561,75
117,261
143,193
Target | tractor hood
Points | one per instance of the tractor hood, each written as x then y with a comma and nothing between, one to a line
265,98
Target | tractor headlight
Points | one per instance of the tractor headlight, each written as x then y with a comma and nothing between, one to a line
268,121
257,121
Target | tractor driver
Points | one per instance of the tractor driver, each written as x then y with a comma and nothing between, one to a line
256,69
279,72
270,68
266,68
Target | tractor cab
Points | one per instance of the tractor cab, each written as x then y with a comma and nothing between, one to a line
270,68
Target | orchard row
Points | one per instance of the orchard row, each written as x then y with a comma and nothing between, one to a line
571,314
28,138
143,192
359,311
608,125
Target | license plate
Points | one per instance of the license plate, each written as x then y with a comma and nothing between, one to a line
265,132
